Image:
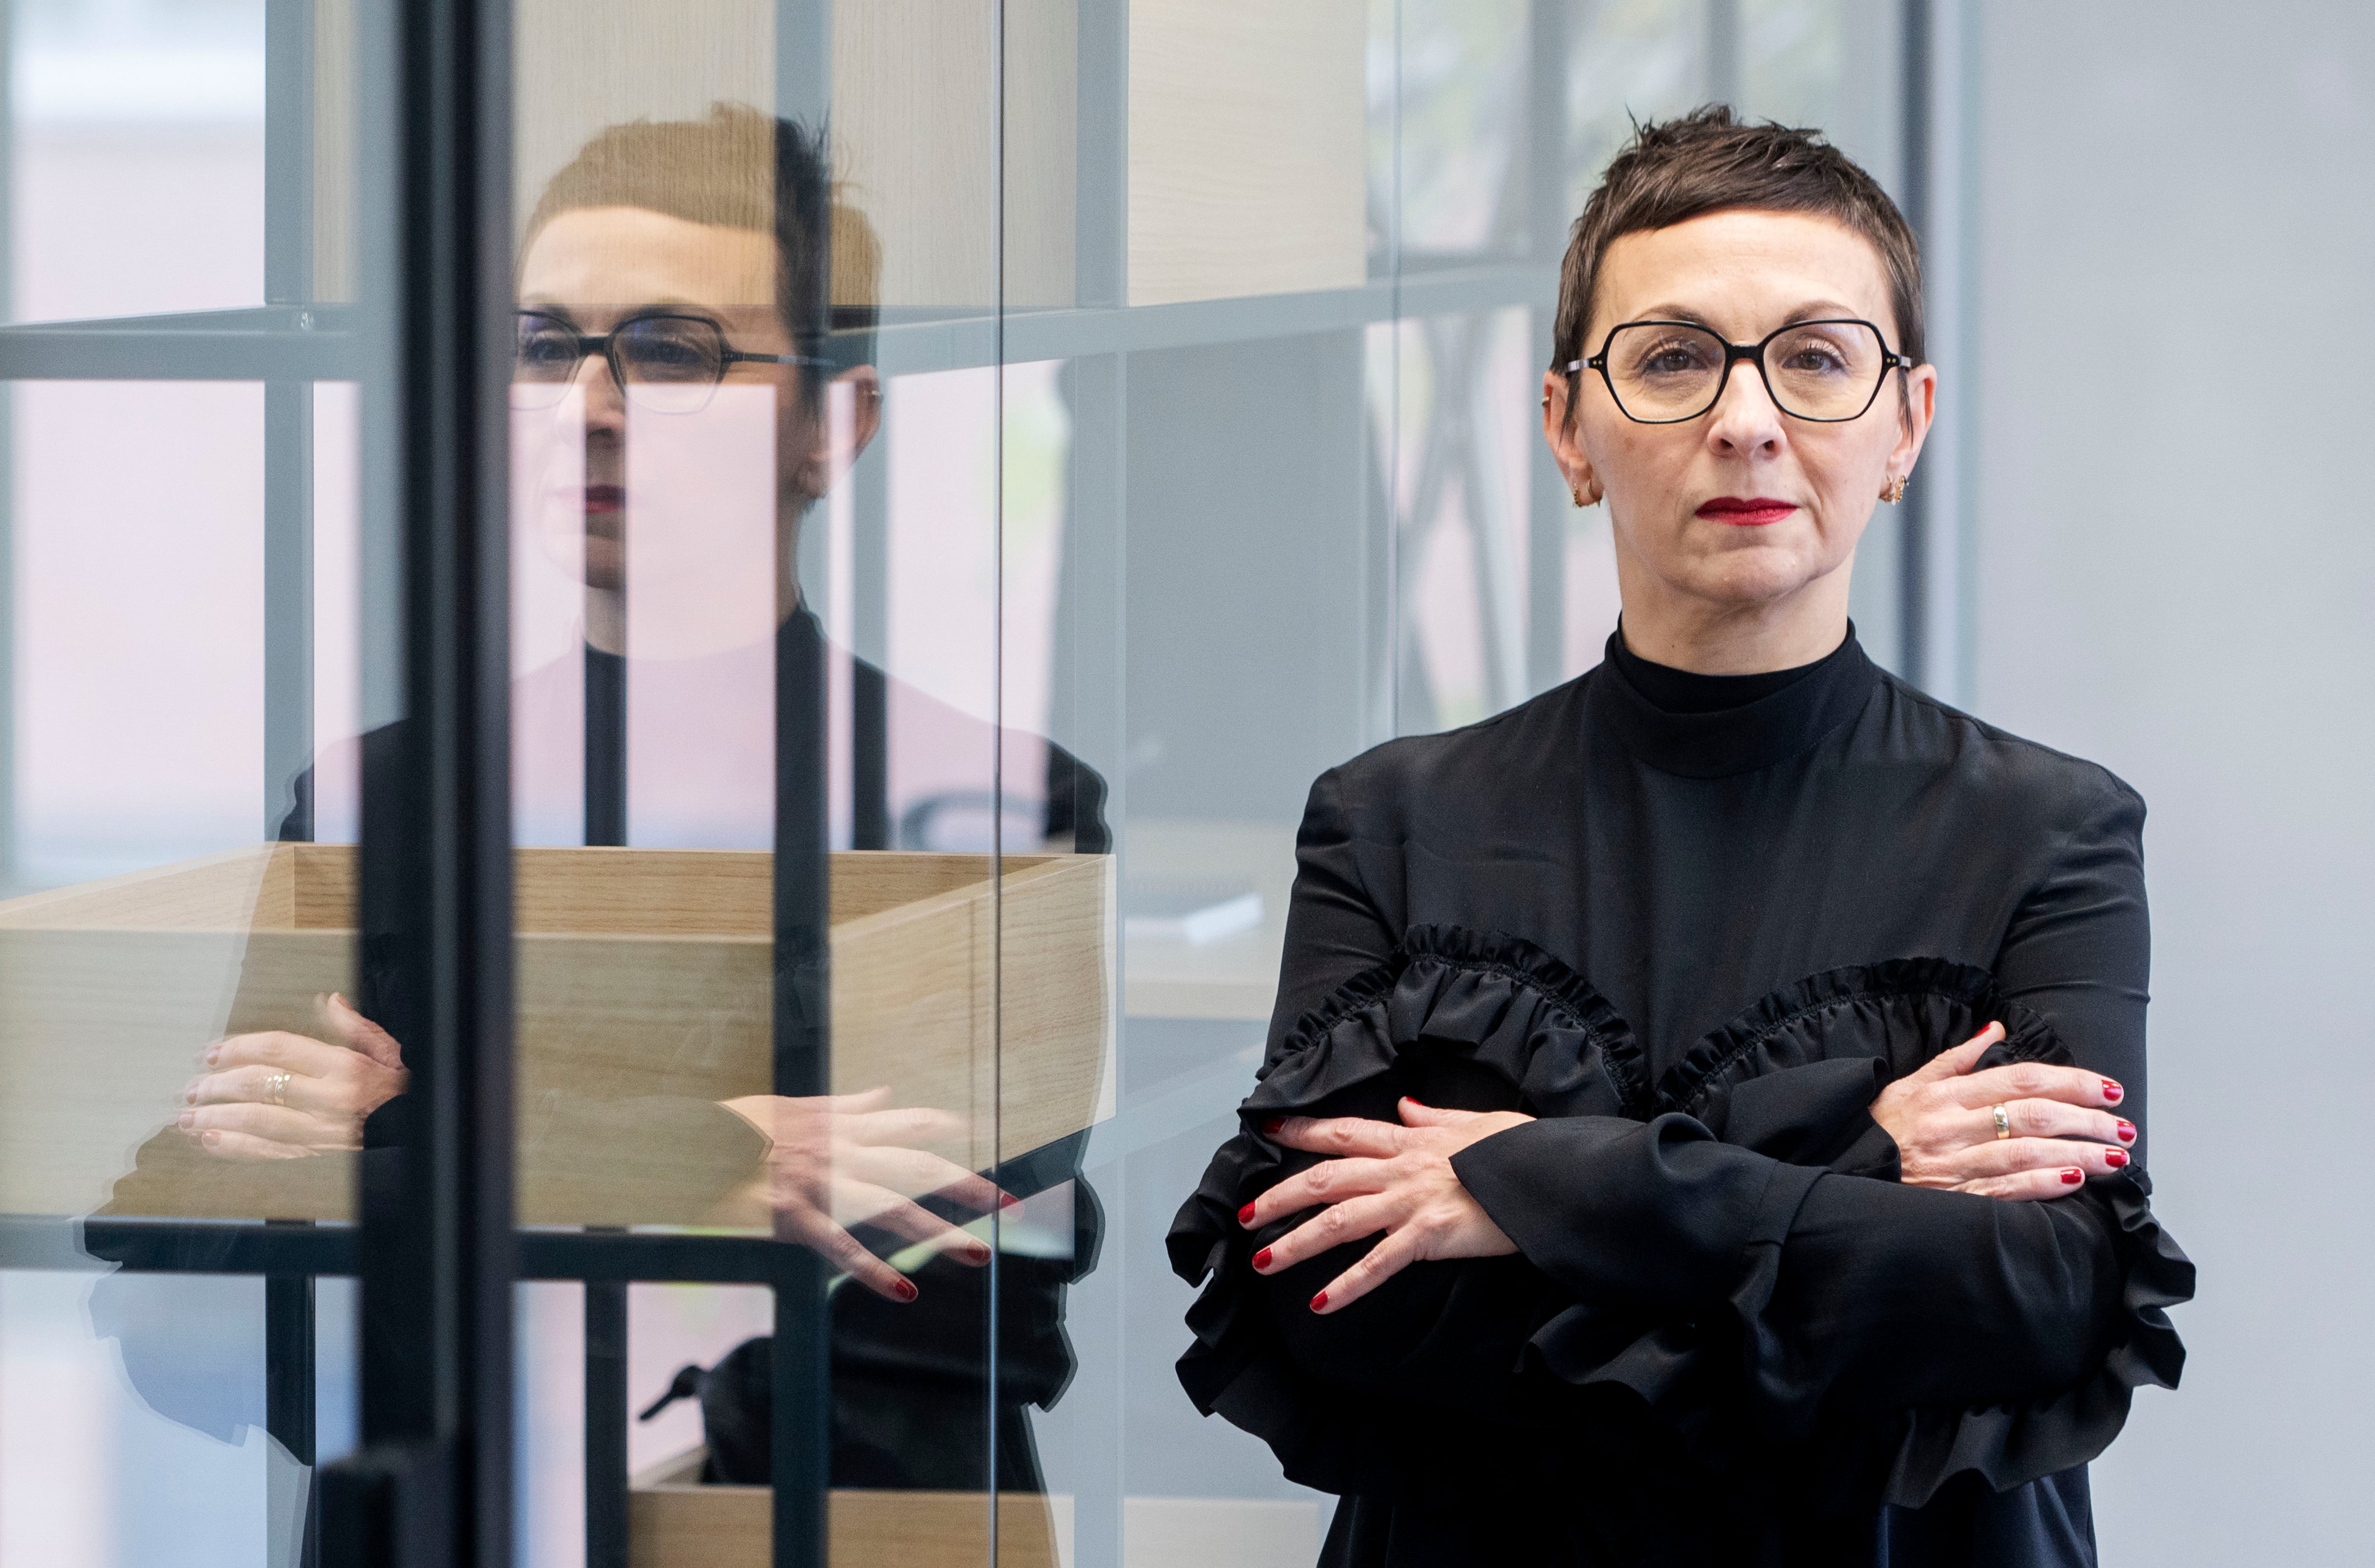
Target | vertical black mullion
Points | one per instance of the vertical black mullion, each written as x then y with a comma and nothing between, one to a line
432,1483
606,1423
801,1434
800,1446
606,742
288,1389
1914,195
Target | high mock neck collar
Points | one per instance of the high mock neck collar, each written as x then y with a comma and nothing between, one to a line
1772,728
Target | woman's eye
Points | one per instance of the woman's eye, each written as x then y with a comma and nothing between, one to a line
1674,360
1815,360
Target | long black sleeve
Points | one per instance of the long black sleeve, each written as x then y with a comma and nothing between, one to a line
1692,945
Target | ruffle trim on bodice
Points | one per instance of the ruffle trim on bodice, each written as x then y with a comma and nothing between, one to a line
1791,1076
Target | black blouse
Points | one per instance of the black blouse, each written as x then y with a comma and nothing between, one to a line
1695,941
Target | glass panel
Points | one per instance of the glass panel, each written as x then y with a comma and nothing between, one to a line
182,584
756,754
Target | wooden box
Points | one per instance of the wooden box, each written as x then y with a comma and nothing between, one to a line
643,975
675,1522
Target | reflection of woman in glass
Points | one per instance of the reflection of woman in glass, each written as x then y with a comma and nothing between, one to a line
670,271
1703,1112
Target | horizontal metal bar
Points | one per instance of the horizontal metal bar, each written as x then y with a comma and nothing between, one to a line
70,1244
914,346
268,343
319,343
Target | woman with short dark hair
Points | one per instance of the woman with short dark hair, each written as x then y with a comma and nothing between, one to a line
1702,1118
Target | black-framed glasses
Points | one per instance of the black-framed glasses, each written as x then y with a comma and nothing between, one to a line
664,360
1663,372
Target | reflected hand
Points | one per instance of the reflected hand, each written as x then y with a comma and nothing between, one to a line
1395,1179
837,1161
1943,1119
281,1096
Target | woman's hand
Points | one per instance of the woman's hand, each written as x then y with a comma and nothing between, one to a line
1943,1119
1395,1179
837,1161
282,1096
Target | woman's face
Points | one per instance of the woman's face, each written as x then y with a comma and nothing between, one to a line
1679,495
597,266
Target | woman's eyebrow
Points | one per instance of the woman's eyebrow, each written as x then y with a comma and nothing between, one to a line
1812,309
1822,310
1674,312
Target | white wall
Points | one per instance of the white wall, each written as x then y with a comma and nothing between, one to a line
2175,575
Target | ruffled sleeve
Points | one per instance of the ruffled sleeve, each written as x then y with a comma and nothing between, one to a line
1887,1337
1366,1397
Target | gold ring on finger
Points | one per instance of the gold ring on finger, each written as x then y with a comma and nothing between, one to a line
276,1088
2002,1116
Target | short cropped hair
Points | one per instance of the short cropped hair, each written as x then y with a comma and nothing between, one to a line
737,169
1707,162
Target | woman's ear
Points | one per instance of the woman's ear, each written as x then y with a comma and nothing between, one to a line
852,414
1916,413
1566,443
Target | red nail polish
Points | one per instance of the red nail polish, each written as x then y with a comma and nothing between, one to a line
1261,1260
1320,1302
1246,1215
2127,1132
2111,1091
2072,1176
1273,1124
2115,1158
905,1290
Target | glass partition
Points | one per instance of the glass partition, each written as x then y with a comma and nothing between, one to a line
949,476
185,383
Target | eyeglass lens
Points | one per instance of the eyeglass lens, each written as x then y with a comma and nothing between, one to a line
1827,370
669,363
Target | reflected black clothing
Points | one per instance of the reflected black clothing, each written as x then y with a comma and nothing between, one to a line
903,1372
1695,945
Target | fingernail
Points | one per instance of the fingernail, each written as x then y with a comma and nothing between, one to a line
2111,1091
1320,1302
210,1137
1273,1124
977,1252
1246,1215
214,1053
1261,1260
905,1290
190,1095
188,1119
2115,1158
1008,1200
2127,1132
2072,1176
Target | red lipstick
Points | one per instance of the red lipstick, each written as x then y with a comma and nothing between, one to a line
604,497
1755,513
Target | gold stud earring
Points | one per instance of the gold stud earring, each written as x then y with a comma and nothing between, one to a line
1895,491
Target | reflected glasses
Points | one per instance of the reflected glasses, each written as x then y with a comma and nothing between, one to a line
1663,372
663,362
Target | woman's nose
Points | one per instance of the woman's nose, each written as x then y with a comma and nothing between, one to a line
605,400
1744,418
